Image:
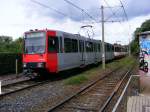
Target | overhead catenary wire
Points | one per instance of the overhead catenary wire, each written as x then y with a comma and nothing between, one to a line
43,5
126,16
124,10
107,19
113,13
84,11
81,9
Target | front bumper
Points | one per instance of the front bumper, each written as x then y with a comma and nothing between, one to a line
34,65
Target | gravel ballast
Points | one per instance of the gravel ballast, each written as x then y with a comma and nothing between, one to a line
42,98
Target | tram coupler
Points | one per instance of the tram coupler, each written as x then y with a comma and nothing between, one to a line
30,73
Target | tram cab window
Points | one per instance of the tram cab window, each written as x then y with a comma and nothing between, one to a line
53,45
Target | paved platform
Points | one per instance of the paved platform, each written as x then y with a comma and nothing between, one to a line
141,103
138,104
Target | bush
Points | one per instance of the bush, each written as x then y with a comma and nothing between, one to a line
8,62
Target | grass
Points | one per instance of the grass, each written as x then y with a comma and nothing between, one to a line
76,80
86,75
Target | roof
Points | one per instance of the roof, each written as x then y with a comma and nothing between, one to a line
145,33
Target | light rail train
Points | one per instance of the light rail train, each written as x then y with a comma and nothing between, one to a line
54,51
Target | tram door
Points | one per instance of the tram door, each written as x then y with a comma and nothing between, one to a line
82,49
95,52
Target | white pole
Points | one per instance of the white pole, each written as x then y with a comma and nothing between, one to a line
129,48
103,39
0,87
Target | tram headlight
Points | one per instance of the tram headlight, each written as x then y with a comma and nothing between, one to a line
24,65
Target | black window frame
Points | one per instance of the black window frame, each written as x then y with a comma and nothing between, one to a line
56,49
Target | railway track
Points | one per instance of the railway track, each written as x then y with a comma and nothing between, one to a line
11,77
96,96
19,86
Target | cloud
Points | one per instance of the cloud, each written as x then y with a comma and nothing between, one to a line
20,16
55,9
137,8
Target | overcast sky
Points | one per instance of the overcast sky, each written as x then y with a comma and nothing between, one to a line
18,16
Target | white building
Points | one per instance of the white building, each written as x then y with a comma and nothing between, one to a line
144,41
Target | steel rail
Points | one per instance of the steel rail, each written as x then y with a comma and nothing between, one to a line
114,91
17,82
80,91
123,93
23,88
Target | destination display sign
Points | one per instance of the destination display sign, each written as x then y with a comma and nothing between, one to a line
35,34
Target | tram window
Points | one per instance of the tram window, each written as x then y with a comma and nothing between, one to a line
105,47
60,39
74,45
96,47
81,46
99,48
53,45
87,46
92,47
67,45
109,47
112,48
116,49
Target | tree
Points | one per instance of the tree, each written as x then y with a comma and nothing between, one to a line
135,43
5,39
7,44
18,43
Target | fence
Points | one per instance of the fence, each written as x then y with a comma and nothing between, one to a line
8,62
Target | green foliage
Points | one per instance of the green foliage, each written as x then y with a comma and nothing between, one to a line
89,74
8,45
76,80
145,26
10,50
135,43
5,39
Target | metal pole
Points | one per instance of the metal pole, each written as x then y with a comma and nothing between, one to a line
16,66
0,87
129,48
103,41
